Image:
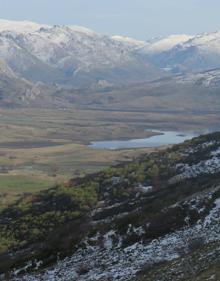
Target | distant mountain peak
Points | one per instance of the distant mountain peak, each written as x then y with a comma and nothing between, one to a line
29,26
167,43
20,26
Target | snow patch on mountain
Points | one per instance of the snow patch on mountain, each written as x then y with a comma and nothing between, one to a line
20,26
207,42
82,29
167,43
129,41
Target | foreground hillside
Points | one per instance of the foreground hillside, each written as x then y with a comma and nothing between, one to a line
156,218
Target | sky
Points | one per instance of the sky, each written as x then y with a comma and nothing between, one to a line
140,19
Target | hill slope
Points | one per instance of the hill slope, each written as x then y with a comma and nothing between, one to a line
156,218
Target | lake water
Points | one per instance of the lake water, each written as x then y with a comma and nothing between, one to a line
165,138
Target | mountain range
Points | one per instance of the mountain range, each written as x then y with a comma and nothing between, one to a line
79,57
70,55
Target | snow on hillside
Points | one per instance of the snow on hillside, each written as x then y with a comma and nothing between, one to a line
116,263
63,45
129,41
208,78
209,42
167,43
111,261
186,54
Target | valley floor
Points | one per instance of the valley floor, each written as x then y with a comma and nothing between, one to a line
43,147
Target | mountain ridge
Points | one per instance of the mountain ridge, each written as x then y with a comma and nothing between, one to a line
80,57
75,55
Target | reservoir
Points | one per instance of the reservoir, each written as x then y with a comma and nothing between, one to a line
163,138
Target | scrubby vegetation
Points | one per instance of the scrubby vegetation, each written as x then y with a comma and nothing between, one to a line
139,194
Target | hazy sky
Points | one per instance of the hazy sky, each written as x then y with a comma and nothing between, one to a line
141,19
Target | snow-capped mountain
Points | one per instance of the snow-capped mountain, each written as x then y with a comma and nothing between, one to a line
19,26
198,53
166,44
130,41
71,54
79,57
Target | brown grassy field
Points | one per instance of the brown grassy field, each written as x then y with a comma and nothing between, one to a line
39,149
